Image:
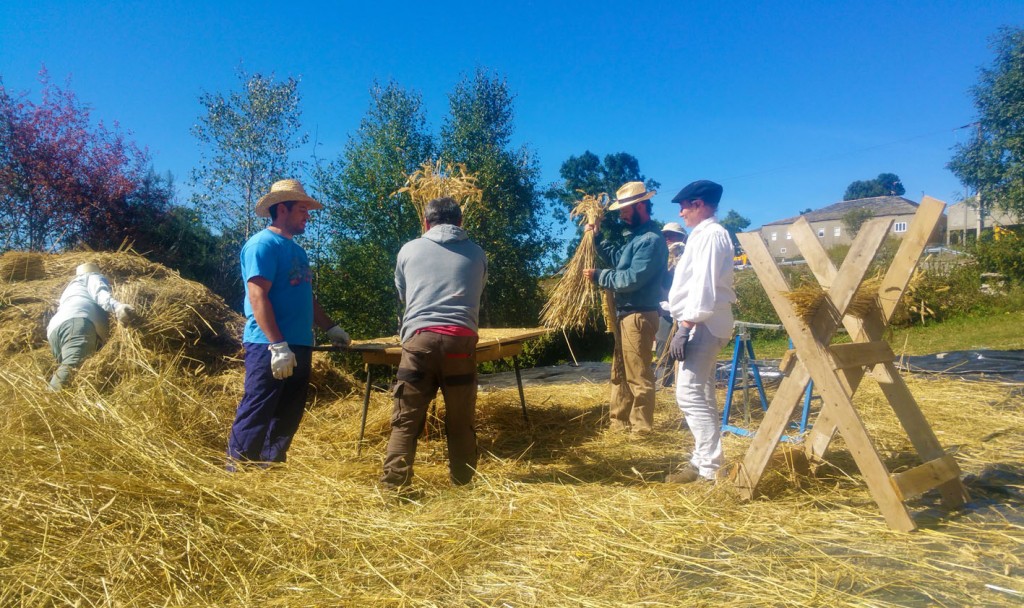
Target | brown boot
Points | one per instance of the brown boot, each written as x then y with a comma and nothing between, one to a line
685,474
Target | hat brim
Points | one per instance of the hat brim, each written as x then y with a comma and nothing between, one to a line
615,206
268,201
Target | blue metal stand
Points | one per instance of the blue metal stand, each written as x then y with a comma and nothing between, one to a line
744,363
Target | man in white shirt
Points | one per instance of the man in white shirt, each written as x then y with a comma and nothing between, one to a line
700,301
82,322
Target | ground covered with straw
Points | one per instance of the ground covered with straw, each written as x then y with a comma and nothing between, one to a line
114,493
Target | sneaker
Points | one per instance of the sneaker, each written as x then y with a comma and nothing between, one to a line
685,474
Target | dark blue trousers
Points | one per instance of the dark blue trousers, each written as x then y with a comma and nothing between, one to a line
270,411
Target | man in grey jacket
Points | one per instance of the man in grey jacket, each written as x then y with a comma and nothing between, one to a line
440,277
82,321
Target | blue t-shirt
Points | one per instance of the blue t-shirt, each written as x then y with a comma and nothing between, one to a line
285,265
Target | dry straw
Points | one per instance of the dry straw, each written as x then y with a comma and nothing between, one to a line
576,301
809,297
116,496
435,180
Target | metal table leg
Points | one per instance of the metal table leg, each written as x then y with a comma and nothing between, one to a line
366,406
519,382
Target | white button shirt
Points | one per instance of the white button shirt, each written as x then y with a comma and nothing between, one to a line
702,288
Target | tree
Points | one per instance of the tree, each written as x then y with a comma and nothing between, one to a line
734,223
367,222
246,140
886,184
511,227
992,164
245,143
61,176
854,219
591,175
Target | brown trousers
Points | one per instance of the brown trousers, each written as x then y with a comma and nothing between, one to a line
431,361
632,399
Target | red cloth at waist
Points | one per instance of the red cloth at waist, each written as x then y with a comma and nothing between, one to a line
449,330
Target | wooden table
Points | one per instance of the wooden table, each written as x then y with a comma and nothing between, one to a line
494,344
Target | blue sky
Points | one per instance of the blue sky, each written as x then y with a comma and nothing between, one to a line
783,103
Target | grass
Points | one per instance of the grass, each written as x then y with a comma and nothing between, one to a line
998,332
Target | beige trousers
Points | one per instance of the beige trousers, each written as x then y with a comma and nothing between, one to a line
632,399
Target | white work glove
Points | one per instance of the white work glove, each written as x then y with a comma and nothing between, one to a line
282,360
123,312
338,336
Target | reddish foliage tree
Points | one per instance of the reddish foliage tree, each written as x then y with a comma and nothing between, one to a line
62,178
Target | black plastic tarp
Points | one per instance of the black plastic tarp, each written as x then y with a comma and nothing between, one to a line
1003,365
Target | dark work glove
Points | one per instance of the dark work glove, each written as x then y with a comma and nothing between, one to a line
678,346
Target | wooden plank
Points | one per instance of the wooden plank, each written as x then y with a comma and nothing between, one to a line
928,214
814,252
770,430
927,445
859,354
869,239
922,478
787,363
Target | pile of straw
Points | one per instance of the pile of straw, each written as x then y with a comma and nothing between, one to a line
575,301
809,297
434,180
120,499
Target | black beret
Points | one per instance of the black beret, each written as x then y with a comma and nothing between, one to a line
705,190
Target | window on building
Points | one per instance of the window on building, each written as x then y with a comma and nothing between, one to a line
835,231
899,227
782,250
775,236
821,233
788,236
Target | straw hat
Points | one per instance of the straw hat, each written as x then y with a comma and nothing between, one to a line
86,268
631,193
674,227
283,191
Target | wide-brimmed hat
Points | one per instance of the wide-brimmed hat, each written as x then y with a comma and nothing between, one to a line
629,194
283,191
674,227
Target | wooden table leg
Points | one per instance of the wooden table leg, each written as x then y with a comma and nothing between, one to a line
366,406
519,382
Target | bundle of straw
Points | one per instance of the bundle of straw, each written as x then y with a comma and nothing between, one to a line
808,298
21,266
434,180
575,300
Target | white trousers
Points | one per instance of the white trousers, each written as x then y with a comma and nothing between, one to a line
695,395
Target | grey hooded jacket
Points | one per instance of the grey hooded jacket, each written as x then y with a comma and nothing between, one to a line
440,277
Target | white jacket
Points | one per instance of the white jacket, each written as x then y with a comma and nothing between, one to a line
86,296
702,289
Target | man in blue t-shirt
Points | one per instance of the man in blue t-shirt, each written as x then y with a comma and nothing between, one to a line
280,310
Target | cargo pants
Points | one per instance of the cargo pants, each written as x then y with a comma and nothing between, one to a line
431,361
71,343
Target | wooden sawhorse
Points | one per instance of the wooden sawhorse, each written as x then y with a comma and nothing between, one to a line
837,370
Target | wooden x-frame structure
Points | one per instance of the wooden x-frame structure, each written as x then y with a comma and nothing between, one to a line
837,370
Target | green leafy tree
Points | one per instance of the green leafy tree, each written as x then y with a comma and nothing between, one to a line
854,218
246,139
992,164
592,175
886,184
366,220
734,223
514,225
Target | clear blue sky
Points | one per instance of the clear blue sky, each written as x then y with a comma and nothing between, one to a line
784,103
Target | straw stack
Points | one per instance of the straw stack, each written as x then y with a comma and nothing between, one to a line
576,300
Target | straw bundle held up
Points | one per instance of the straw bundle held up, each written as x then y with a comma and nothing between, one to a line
434,180
575,300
